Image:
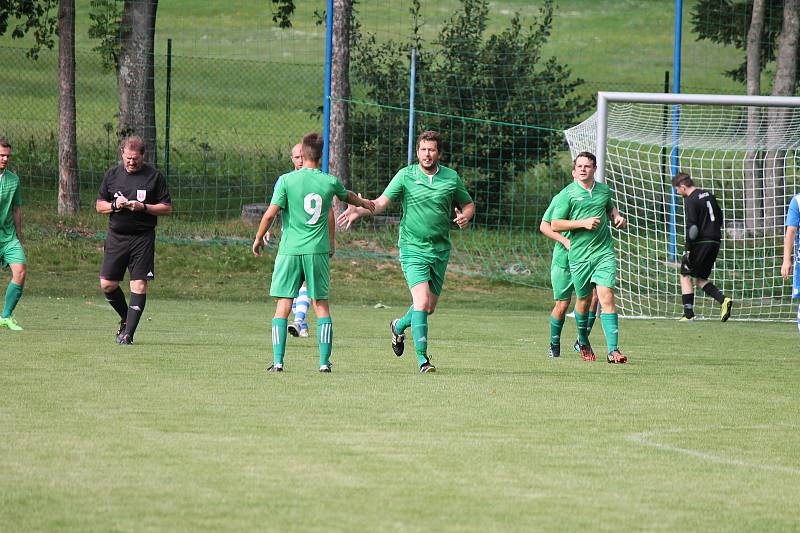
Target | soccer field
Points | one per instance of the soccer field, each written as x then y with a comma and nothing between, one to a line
185,431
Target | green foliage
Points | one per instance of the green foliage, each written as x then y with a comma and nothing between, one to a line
727,22
282,12
34,17
499,103
106,26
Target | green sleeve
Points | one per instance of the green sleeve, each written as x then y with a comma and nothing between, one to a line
339,190
394,190
548,214
462,196
561,207
279,195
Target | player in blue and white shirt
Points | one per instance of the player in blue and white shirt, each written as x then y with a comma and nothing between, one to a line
791,243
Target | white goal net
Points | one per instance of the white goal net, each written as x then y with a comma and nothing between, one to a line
746,155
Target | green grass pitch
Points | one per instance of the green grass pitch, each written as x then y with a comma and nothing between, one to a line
185,431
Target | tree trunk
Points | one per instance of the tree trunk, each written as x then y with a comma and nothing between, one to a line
68,186
753,181
136,73
340,90
784,84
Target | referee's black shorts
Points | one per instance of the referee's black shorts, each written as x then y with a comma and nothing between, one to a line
700,261
136,253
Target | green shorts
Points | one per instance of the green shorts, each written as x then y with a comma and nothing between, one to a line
292,270
561,280
11,253
598,271
419,267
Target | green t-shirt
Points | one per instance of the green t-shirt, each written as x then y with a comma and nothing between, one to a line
306,196
428,203
560,253
576,203
9,197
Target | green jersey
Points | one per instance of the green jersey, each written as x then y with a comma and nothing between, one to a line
9,197
306,196
576,203
560,253
428,203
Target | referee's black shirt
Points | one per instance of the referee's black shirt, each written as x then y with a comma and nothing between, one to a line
146,185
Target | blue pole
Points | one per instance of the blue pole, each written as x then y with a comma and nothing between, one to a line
411,105
326,104
674,162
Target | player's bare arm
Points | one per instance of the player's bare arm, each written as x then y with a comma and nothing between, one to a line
16,213
546,230
464,215
359,201
788,245
332,231
569,225
266,222
617,220
353,213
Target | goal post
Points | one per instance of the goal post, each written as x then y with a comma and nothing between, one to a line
744,149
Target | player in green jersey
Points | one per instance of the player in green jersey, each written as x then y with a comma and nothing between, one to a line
561,281
11,253
430,194
304,197
585,209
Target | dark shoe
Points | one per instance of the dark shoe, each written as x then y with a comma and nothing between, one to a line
426,367
577,346
685,318
326,368
587,354
275,368
122,325
124,339
725,313
555,350
616,357
293,329
398,341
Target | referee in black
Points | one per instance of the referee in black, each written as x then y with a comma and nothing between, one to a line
135,194
703,237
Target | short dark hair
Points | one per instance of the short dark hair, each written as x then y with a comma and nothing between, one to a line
313,144
587,155
4,142
132,142
682,178
430,135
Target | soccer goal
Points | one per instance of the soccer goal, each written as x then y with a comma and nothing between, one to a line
743,149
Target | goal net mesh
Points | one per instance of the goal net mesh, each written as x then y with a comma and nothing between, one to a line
746,156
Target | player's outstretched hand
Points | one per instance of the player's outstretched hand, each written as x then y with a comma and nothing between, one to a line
620,222
786,270
347,217
460,219
367,204
257,245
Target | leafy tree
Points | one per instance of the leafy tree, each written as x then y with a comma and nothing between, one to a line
34,17
727,22
499,103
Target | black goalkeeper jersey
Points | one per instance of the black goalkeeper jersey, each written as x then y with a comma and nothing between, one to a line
701,210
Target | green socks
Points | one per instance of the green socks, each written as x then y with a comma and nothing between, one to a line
610,323
555,331
404,321
419,330
13,294
590,323
583,333
325,338
279,339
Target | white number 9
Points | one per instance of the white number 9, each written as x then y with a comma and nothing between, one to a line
312,203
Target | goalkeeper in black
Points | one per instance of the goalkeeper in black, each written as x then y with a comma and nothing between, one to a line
703,236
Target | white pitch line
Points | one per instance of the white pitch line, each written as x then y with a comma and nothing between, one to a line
644,439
